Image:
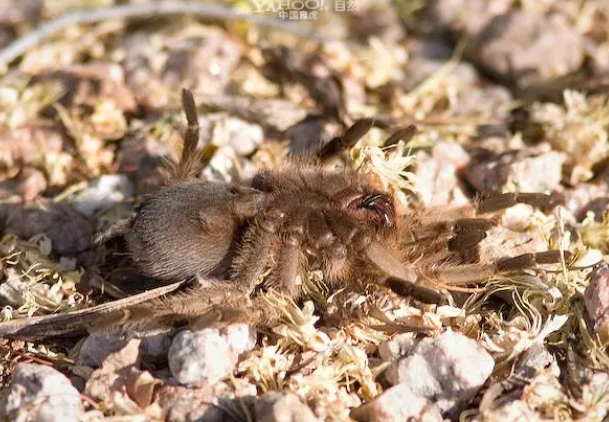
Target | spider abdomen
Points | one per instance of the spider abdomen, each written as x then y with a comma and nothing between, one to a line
190,228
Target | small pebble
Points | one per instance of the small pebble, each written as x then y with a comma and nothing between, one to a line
436,174
282,407
241,338
30,184
186,404
40,393
155,347
16,290
277,113
202,62
243,137
398,404
113,374
514,411
520,47
104,192
536,359
397,347
70,232
202,357
529,173
13,289
98,346
448,370
457,14
596,298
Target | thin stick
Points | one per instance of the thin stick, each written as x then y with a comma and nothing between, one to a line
75,322
144,10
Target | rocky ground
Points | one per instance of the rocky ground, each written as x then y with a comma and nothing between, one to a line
507,96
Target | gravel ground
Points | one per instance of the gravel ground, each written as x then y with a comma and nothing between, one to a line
507,96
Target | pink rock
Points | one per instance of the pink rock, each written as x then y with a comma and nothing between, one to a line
398,404
597,297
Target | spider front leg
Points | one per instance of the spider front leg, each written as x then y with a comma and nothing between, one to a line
478,216
472,273
469,232
402,278
465,227
503,201
421,293
407,279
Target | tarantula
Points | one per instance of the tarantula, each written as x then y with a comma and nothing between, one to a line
301,215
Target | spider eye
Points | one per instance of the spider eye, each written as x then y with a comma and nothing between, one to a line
382,205
259,181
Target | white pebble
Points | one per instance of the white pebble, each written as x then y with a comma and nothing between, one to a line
449,370
42,394
104,192
202,357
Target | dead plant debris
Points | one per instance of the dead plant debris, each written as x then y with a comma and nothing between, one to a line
89,114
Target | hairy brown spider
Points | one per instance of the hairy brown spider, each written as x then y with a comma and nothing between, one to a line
303,215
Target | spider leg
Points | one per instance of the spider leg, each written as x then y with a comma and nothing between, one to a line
289,254
421,293
460,227
355,132
214,304
503,201
383,258
253,255
347,140
403,279
220,316
176,309
465,227
335,237
318,231
404,134
468,234
259,243
191,138
116,229
190,161
407,279
473,217
75,322
289,262
256,312
471,273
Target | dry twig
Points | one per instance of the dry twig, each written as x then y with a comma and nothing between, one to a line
142,10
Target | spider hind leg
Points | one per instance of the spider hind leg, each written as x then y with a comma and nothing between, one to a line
190,164
116,229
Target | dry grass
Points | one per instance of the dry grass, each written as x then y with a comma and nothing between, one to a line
336,333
